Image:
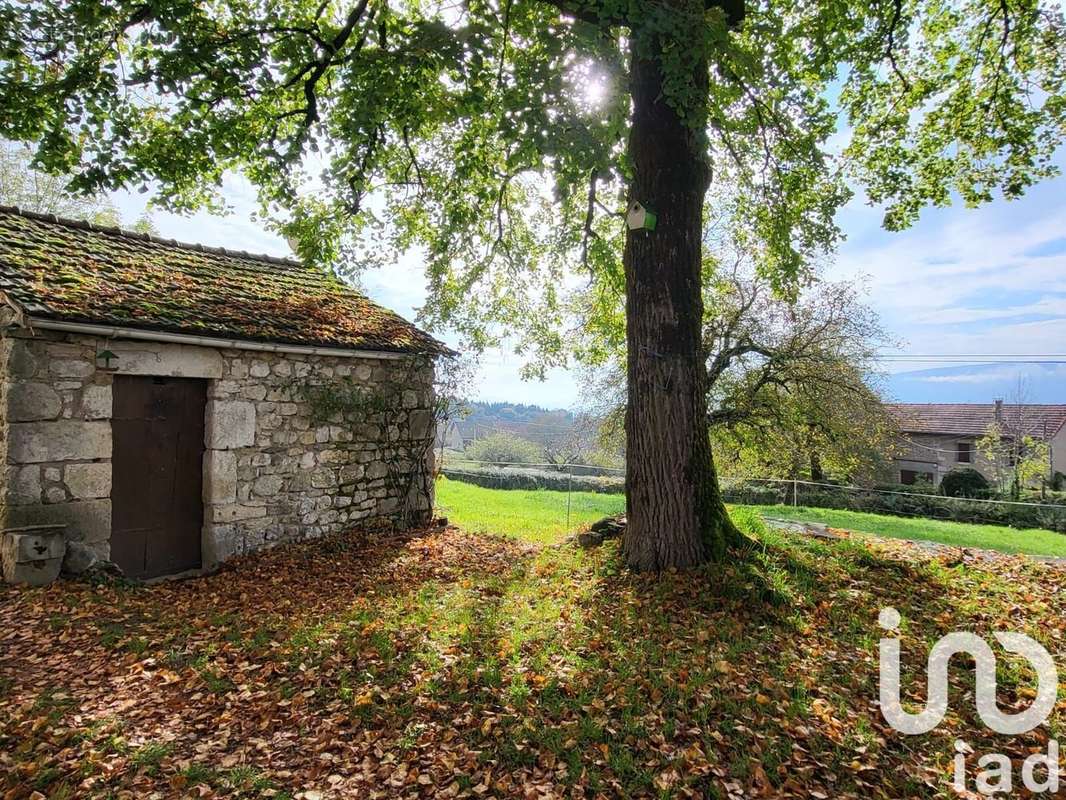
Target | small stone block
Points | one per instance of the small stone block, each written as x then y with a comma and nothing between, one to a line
27,547
32,556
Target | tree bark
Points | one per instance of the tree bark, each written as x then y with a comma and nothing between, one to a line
676,517
816,467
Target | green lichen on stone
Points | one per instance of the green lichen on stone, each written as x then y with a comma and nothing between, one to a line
108,277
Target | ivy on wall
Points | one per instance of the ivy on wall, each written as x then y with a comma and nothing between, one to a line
342,396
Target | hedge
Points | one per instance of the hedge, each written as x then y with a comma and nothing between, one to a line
902,504
530,478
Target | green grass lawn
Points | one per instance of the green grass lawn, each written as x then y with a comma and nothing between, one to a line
536,515
540,516
1033,541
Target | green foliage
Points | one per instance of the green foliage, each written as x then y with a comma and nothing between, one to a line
504,448
748,521
772,365
470,127
22,185
1017,459
526,478
340,398
966,482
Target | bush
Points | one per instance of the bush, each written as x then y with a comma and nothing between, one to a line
528,478
505,448
966,482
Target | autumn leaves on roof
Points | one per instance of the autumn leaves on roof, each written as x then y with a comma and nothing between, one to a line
72,271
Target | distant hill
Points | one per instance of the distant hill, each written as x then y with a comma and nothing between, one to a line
528,421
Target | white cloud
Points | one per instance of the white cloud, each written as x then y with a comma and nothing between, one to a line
984,376
960,281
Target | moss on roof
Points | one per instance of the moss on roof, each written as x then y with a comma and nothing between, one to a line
76,272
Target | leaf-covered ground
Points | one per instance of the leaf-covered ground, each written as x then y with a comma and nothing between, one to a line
461,665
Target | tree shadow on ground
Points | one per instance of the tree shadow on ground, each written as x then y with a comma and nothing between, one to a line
453,664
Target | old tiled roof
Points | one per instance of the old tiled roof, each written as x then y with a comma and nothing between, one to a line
72,271
973,419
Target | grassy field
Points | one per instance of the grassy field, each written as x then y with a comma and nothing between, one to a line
960,534
540,516
534,515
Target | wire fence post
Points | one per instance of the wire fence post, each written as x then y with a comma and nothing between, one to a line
795,493
569,486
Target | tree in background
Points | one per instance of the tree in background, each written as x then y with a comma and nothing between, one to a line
145,224
504,448
509,139
1017,459
33,190
1015,445
790,383
581,444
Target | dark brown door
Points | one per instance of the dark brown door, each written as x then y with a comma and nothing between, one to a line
157,429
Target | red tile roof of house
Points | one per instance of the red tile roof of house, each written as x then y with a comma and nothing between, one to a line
73,271
973,419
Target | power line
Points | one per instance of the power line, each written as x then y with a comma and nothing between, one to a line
972,355
972,358
970,361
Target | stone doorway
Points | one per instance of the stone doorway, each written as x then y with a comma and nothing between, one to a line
157,475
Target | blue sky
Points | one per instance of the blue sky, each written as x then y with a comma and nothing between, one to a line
965,281
990,280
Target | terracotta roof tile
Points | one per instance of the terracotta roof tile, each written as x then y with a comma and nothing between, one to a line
973,419
76,272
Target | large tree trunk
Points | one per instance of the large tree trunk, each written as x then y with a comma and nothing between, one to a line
675,513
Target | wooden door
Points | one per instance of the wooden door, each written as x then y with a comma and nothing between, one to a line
157,513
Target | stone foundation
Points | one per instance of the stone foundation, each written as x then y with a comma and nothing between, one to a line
271,471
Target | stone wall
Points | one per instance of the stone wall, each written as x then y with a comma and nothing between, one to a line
273,472
57,406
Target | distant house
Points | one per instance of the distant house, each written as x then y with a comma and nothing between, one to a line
938,437
456,435
156,397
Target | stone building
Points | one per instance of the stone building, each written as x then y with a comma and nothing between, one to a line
172,405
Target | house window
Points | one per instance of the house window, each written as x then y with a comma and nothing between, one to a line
964,452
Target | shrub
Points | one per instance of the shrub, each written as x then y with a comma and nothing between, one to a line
504,447
966,482
528,478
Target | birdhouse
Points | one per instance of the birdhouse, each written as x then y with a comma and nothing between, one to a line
639,218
